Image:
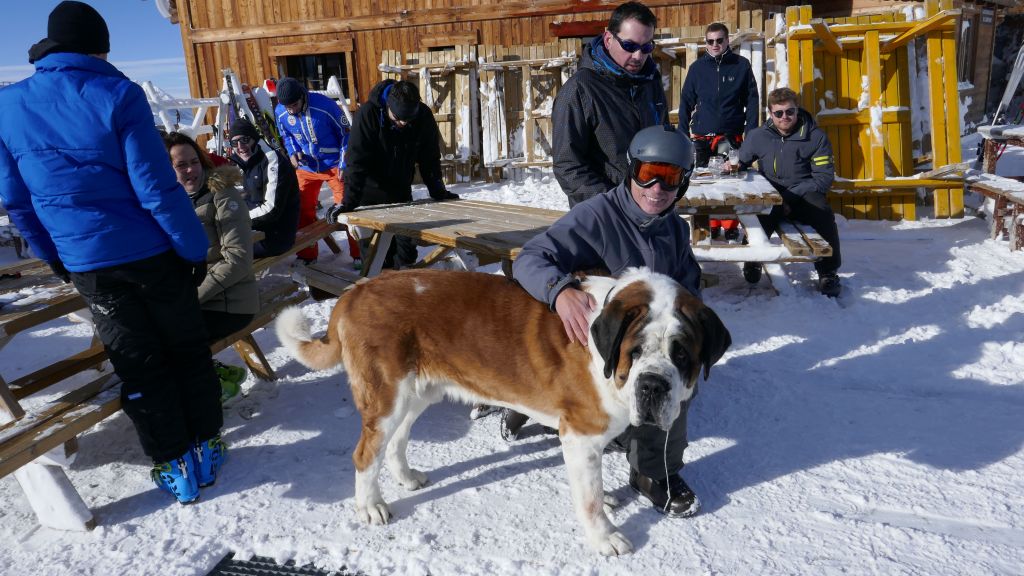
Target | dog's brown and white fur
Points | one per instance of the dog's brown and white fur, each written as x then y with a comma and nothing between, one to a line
407,339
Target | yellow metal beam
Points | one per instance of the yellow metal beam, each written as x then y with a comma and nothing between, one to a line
931,24
893,183
828,40
841,30
873,66
793,49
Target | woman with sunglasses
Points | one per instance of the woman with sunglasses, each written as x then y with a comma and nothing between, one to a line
796,157
633,224
615,93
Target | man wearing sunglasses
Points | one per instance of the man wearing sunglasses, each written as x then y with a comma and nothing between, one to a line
615,93
718,104
271,189
796,157
633,224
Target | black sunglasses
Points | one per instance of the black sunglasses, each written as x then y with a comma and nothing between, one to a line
713,41
786,112
248,141
631,47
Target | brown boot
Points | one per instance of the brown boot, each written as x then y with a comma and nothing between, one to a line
672,498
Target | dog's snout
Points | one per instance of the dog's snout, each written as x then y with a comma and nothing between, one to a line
652,385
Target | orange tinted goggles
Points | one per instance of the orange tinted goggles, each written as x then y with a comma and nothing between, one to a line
647,173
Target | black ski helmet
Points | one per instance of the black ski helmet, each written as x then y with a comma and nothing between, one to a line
663,144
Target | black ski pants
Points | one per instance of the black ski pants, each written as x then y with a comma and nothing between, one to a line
822,220
147,315
652,451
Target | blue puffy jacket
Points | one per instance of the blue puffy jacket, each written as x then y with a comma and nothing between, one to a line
83,172
320,133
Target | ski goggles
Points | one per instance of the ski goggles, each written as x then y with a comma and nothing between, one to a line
670,176
247,140
631,47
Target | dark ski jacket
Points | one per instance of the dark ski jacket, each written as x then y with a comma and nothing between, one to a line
719,96
607,231
83,172
272,195
799,165
382,158
596,114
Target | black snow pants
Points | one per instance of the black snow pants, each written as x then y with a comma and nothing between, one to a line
647,450
147,315
823,220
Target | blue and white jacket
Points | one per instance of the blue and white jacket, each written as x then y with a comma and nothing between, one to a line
83,172
320,132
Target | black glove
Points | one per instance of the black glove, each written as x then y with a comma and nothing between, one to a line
60,271
331,215
448,196
198,272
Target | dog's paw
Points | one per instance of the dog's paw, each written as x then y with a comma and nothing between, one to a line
610,503
376,513
414,480
615,544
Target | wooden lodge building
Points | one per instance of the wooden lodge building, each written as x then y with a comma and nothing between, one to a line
503,61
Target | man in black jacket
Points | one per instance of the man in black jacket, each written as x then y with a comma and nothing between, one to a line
271,189
796,157
718,104
615,93
392,133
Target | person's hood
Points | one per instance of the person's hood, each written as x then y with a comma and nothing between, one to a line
378,97
217,180
623,198
597,58
805,124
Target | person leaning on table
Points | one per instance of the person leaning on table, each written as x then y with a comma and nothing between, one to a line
88,183
796,157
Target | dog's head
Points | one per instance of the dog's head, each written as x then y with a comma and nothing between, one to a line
654,337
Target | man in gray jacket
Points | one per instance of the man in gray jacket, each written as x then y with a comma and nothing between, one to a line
796,157
633,224
615,93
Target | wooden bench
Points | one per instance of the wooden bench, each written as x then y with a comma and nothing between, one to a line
1008,211
38,443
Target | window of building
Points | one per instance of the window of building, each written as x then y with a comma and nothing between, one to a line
315,70
967,46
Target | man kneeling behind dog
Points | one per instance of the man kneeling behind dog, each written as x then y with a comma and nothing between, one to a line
651,338
634,224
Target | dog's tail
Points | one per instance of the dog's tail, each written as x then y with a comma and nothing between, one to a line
293,332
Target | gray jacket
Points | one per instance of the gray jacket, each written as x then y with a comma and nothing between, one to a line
229,285
595,116
799,165
610,232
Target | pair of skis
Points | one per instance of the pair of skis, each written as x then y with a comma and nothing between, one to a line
253,105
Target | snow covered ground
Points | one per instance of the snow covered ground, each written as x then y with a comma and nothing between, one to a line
883,435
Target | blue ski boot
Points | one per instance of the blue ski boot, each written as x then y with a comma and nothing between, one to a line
178,477
209,456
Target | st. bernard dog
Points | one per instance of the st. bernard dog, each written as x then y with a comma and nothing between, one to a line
409,338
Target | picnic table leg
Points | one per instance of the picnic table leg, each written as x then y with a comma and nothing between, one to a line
54,500
374,262
332,244
9,405
468,259
252,355
506,268
999,211
777,276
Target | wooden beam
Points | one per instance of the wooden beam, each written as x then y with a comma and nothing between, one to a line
872,64
862,117
828,40
406,18
931,24
893,183
840,30
471,38
577,29
301,48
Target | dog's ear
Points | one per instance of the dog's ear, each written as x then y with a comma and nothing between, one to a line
716,338
608,331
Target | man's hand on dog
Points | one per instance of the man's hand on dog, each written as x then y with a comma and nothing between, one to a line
573,307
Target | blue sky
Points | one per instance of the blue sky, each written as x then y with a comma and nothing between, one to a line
143,44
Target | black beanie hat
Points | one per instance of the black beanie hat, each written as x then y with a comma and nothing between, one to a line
73,27
289,91
404,111
242,127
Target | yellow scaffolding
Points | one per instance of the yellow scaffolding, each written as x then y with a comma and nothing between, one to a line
853,74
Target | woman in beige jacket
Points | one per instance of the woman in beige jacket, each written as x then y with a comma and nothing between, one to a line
228,295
